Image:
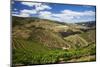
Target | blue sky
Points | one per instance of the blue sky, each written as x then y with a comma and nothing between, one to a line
58,12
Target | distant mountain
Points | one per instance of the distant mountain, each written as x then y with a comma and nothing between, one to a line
88,24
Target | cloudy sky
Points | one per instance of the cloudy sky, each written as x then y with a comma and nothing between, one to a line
58,12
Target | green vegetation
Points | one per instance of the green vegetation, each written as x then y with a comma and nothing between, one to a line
76,41
89,36
43,55
40,41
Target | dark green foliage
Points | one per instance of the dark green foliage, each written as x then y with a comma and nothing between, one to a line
43,55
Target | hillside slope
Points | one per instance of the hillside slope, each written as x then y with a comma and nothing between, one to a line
40,41
48,33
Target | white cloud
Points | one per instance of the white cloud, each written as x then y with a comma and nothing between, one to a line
21,15
45,14
38,6
42,7
70,12
28,11
55,16
24,13
89,13
67,15
75,13
15,9
48,15
31,4
63,16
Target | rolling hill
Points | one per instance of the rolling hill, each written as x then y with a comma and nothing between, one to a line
34,38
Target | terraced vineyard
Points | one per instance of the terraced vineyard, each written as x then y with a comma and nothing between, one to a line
39,41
